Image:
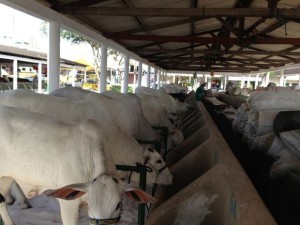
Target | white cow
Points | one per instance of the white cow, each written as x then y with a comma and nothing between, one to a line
72,93
150,91
174,88
159,116
125,109
170,104
124,148
40,153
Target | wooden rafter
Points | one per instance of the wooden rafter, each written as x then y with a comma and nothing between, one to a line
206,40
292,13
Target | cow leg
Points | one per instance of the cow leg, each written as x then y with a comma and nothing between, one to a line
5,184
19,195
69,211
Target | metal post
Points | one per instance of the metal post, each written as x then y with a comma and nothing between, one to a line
142,170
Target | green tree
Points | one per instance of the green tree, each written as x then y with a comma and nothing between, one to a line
96,48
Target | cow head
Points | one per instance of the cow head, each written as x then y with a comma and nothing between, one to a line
104,197
159,172
176,136
182,107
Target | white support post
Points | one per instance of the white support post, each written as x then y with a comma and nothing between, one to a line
208,80
15,71
40,78
103,69
158,79
140,71
124,87
242,81
74,76
134,77
263,81
148,76
174,79
166,77
154,78
53,56
225,82
84,79
281,77
248,81
267,78
299,80
256,81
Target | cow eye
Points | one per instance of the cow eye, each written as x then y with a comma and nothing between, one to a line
159,161
172,133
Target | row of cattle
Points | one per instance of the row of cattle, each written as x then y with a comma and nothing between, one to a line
68,143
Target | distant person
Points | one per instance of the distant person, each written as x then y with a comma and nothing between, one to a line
200,92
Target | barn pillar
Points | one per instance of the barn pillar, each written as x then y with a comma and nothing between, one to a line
154,78
225,82
140,70
267,78
299,80
53,72
242,81
40,78
148,76
124,87
284,81
256,81
158,79
281,78
103,68
248,82
166,77
174,78
15,71
208,80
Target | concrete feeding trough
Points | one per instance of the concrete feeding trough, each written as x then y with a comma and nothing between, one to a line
204,165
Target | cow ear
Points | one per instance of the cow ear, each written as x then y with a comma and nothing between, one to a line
66,193
138,195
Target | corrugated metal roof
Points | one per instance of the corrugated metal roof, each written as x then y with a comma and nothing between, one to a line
213,34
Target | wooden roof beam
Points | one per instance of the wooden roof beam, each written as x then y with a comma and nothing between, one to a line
155,27
218,52
239,60
205,40
229,27
216,69
81,3
292,13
